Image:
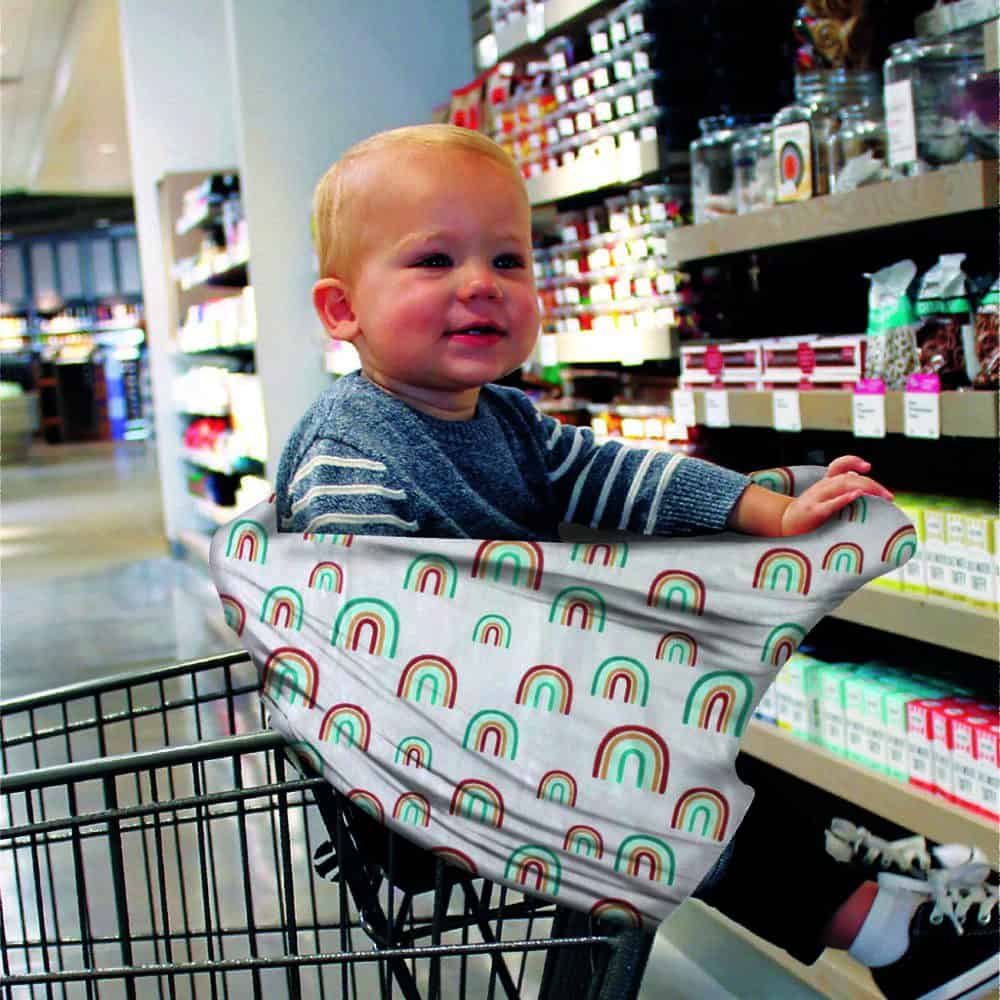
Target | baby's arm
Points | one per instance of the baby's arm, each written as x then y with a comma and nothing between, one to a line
761,512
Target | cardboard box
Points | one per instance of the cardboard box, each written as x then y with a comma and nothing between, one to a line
767,707
798,697
980,552
919,742
942,747
965,767
832,717
986,739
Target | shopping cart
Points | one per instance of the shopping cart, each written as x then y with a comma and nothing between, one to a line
187,870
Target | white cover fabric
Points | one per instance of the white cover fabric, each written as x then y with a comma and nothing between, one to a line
559,717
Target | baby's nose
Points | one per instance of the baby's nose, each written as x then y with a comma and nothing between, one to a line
480,284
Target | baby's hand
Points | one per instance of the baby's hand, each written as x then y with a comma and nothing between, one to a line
842,485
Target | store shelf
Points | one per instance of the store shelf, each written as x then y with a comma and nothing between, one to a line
937,620
213,512
215,463
965,187
591,173
590,347
900,803
963,414
554,15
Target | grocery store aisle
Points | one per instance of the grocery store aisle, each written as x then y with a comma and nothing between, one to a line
89,587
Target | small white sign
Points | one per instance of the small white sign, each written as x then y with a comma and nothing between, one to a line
535,26
922,415
548,349
629,162
785,410
900,122
487,52
717,408
684,412
868,415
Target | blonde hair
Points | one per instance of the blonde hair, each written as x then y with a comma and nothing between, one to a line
334,227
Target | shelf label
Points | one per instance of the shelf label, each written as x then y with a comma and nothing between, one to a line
629,162
900,123
922,407
548,349
632,352
683,400
717,408
785,410
535,25
487,51
868,408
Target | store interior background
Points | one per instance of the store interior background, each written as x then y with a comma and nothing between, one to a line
109,112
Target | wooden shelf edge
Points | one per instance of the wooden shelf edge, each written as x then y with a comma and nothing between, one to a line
897,802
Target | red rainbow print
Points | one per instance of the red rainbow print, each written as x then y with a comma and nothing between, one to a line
856,510
478,800
780,480
535,868
607,554
247,541
492,731
546,687
844,557
368,802
346,725
642,856
783,569
781,642
327,576
679,589
493,630
367,619
625,744
579,606
900,546
292,673
431,573
719,701
584,840
525,560
618,911
413,751
678,647
429,680
455,858
621,677
412,809
282,608
702,811
558,786
234,613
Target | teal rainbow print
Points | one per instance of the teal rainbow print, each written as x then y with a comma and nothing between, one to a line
546,687
456,858
558,786
781,642
291,673
493,630
478,800
282,608
327,575
617,911
234,613
719,701
522,563
494,732
624,678
901,546
780,480
647,857
536,868
429,680
635,749
414,751
783,569
678,589
412,809
702,811
584,840
367,619
431,573
367,802
307,753
324,538
844,557
678,647
607,554
581,606
855,511
247,541
346,725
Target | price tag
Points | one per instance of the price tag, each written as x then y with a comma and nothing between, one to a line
535,26
900,122
629,162
631,349
922,407
786,411
548,349
684,414
868,408
717,408
487,52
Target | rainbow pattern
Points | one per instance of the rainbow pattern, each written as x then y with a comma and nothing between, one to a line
845,557
901,546
493,630
349,726
433,573
679,589
627,743
558,786
782,641
414,750
365,800
546,687
719,701
327,576
292,671
856,510
783,569
624,674
455,858
780,480
525,559
331,538
584,840
492,731
307,754
678,647
478,800
702,811
412,809
282,608
582,602
234,613
617,911
641,853
536,868
430,675
369,616
248,541
608,554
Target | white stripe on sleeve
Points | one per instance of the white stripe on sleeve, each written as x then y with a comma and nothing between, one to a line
609,481
569,459
341,462
669,469
633,492
353,489
321,521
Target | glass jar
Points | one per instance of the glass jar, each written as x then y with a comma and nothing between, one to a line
712,191
753,168
858,153
978,104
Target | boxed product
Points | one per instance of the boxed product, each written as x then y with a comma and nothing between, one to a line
919,742
832,718
856,746
798,697
943,716
742,357
833,359
767,707
897,702
965,768
980,553
986,739
913,575
891,352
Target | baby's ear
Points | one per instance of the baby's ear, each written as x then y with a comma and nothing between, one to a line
333,306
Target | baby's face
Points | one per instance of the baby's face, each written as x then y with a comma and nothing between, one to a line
443,287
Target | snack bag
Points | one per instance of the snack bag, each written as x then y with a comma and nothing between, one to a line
944,310
892,345
986,341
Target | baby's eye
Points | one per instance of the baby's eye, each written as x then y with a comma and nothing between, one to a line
508,261
434,260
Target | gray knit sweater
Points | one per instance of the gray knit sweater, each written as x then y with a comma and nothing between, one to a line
362,462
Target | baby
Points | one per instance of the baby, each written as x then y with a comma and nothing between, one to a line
424,245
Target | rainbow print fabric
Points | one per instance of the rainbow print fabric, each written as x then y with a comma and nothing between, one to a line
560,717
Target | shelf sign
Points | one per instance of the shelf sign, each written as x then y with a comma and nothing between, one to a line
717,408
868,408
922,406
629,162
535,21
785,410
684,414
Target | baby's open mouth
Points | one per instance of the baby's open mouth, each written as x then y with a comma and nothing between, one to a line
480,330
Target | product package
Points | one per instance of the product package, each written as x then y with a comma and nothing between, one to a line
945,321
986,346
892,343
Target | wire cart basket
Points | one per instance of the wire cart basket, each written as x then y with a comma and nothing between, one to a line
158,841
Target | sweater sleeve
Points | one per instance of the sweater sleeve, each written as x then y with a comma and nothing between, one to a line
613,486
335,489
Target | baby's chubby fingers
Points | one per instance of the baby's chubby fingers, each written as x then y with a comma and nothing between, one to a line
847,463
852,482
